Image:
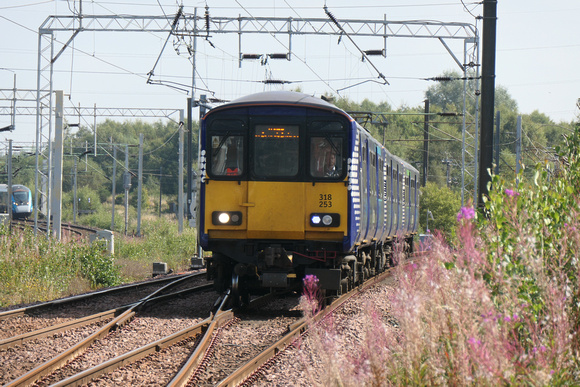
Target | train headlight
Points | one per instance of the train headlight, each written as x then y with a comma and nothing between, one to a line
223,218
324,220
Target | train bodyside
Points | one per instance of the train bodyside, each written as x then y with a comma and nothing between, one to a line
271,206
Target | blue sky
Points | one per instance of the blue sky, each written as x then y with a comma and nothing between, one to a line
538,53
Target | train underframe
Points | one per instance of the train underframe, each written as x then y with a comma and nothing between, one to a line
256,267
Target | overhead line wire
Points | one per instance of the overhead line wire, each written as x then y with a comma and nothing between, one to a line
288,49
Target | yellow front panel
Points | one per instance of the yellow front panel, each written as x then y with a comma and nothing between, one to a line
326,198
225,196
276,210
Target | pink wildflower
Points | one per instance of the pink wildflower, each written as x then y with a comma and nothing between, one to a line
511,193
466,213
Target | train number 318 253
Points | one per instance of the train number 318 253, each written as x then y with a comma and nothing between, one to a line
325,200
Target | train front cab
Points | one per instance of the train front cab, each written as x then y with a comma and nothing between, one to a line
22,202
272,205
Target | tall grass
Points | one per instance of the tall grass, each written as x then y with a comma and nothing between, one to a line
161,242
38,269
499,305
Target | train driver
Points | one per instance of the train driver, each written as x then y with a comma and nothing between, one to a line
330,167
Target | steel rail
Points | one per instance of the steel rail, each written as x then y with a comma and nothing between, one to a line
247,372
84,321
86,376
60,360
192,364
123,288
54,329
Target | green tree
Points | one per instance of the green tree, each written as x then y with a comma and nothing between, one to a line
444,204
160,149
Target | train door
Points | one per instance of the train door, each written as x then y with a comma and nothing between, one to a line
364,188
275,203
373,194
390,213
412,202
416,203
398,198
381,193
408,201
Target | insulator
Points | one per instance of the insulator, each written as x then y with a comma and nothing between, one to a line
251,56
331,16
207,19
375,52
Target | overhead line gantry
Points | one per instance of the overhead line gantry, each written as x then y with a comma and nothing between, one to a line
194,26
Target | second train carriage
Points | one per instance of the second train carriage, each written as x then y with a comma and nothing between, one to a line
292,185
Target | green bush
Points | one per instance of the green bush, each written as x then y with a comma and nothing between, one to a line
36,269
547,209
95,265
443,204
134,197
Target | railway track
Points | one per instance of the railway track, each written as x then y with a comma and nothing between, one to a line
32,355
250,371
227,348
67,228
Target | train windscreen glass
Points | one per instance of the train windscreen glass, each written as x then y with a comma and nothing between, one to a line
276,150
20,197
227,154
326,157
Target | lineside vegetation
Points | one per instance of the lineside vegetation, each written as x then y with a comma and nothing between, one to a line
499,304
36,269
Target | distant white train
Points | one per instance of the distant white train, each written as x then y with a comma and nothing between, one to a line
21,201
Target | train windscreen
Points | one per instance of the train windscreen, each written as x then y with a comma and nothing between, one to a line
20,197
276,150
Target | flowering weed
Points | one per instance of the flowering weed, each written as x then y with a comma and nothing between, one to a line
498,305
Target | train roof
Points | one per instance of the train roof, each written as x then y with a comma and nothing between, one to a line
280,98
4,187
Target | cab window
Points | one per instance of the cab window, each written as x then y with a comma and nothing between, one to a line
227,154
276,150
326,157
226,148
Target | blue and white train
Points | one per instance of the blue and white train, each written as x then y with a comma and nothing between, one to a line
21,201
292,185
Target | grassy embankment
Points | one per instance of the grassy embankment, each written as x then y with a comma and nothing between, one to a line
37,269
